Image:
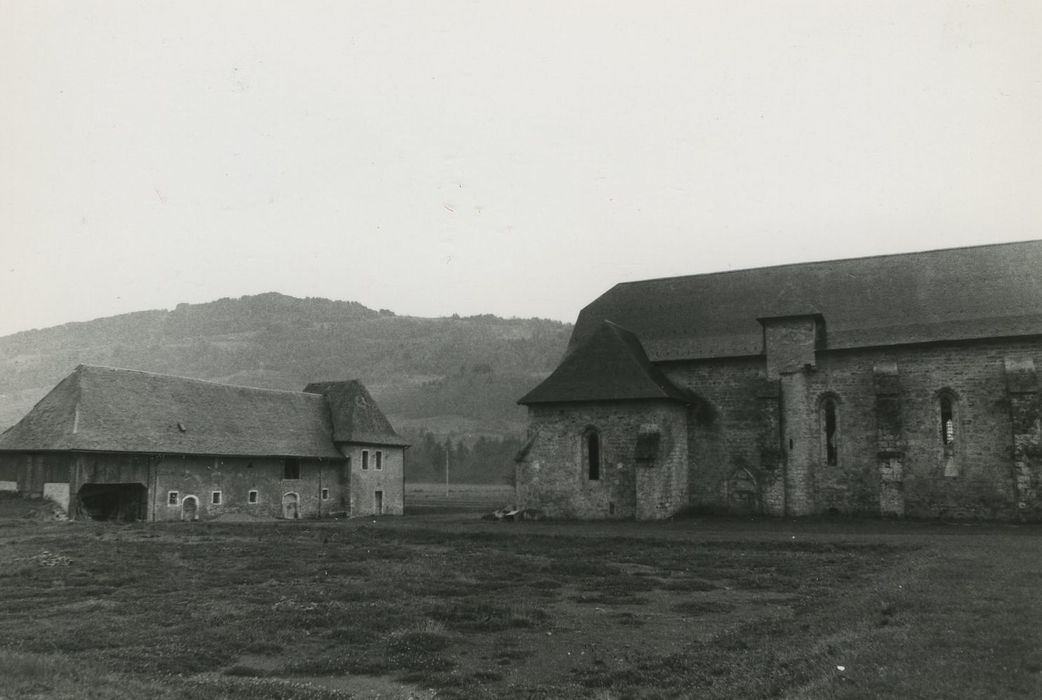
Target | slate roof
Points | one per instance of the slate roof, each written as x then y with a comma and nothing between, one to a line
609,365
118,410
356,417
959,293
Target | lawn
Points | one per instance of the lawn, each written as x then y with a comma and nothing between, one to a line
443,607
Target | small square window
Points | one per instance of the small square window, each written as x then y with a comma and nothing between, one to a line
365,459
172,498
215,498
252,497
379,459
325,494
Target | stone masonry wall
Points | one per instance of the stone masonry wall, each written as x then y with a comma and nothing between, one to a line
553,476
737,439
365,483
188,476
235,477
974,477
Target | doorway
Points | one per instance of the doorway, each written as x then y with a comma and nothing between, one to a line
378,505
290,506
189,508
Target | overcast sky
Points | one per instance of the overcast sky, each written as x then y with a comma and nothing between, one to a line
516,158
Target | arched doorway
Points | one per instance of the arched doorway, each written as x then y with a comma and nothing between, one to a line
189,508
290,506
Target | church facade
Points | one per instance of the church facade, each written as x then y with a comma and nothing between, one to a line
901,385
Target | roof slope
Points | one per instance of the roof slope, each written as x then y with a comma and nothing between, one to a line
609,365
119,410
356,417
960,293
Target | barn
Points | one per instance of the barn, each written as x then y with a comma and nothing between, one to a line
122,444
901,385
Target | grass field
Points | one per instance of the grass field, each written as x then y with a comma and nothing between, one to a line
437,606
430,497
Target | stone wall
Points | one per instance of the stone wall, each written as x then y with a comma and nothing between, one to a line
365,483
235,477
187,476
554,476
891,455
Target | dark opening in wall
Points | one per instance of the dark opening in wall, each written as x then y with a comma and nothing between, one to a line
831,450
593,454
947,421
291,469
126,502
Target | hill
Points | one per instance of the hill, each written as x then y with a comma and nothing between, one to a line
450,377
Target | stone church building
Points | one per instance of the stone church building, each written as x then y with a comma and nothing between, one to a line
121,444
894,385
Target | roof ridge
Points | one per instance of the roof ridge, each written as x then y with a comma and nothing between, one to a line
807,263
211,382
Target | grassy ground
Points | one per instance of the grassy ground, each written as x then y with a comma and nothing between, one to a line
436,498
443,607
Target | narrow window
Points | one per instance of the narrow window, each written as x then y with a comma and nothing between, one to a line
291,469
379,458
365,459
947,421
171,498
831,446
325,494
593,455
215,498
252,497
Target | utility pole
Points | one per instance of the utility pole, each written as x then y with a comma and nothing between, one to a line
446,473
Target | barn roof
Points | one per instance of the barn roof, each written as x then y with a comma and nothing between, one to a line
119,410
609,365
355,415
960,293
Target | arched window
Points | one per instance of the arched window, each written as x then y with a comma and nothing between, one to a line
948,429
592,453
830,430
947,419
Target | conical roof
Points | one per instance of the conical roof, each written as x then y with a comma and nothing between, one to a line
610,365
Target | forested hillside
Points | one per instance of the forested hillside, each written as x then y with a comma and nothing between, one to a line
454,378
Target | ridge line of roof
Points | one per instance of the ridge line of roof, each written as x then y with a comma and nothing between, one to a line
805,263
211,382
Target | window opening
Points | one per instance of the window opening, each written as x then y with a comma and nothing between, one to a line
947,421
171,498
252,497
325,494
365,459
215,498
831,449
379,459
593,455
291,469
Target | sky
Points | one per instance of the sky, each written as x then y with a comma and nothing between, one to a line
515,158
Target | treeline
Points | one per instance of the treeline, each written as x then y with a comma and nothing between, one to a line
472,461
